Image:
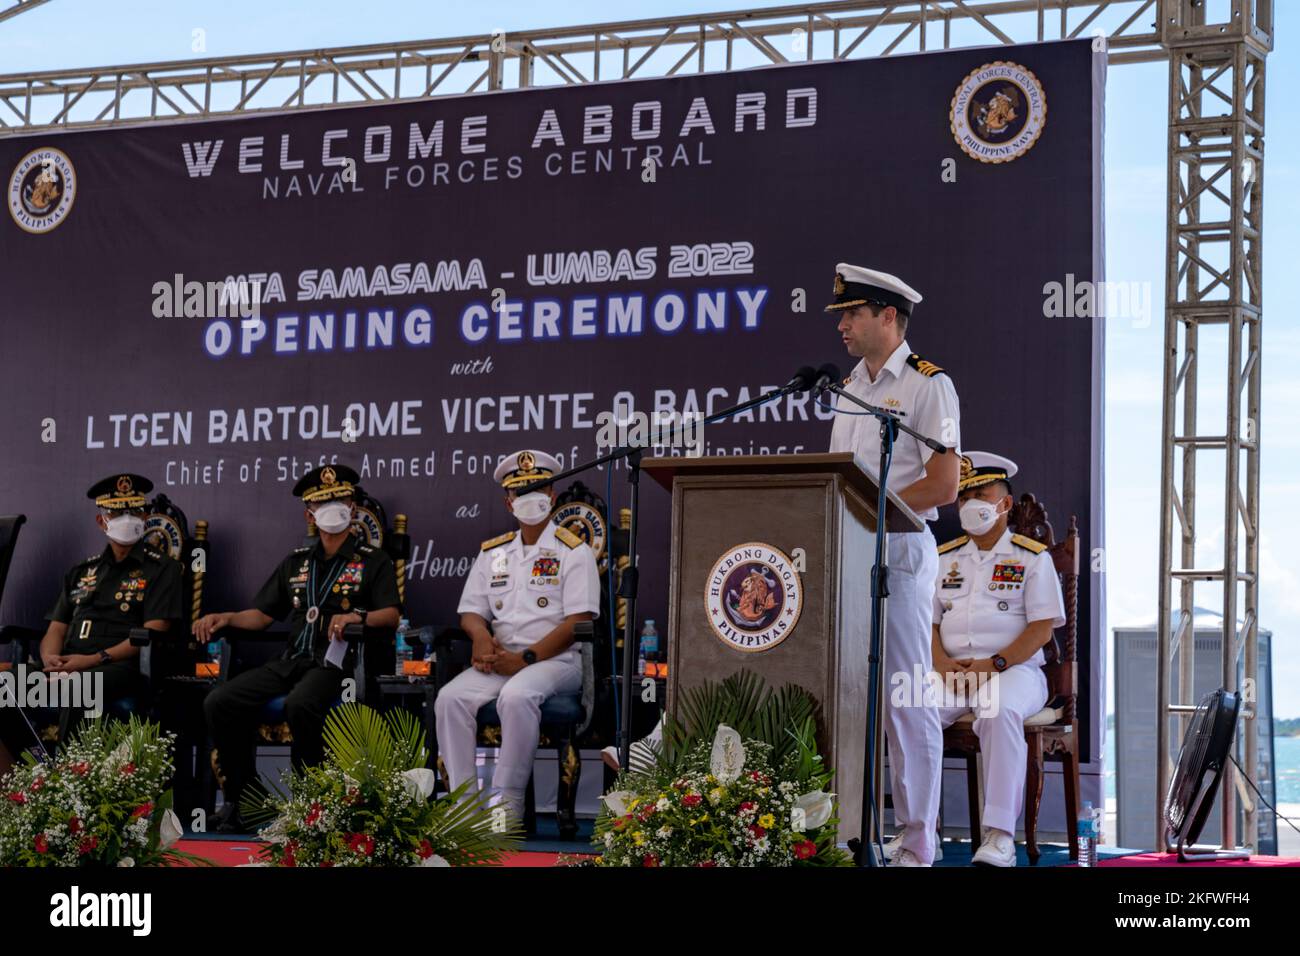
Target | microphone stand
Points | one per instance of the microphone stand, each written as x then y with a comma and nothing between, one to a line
890,426
628,585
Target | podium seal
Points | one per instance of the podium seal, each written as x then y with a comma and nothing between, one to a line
753,597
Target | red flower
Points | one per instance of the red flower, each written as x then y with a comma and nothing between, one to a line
326,862
646,812
128,769
622,822
88,844
758,831
649,860
362,843
143,810
691,800
287,857
17,796
353,795
706,863
37,784
747,806
804,849
42,843
426,849
313,814
74,825
80,768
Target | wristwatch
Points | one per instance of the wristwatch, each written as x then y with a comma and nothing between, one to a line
999,663
361,613
529,656
105,657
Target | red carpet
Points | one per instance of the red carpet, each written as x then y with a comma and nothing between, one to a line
1171,859
235,852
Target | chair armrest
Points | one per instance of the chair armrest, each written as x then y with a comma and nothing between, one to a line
20,634
444,635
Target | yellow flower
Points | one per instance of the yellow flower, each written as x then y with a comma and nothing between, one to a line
638,838
717,793
767,821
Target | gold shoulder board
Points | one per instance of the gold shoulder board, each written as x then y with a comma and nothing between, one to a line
954,543
1029,544
924,366
500,539
567,537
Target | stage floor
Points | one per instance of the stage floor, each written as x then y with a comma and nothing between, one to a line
545,849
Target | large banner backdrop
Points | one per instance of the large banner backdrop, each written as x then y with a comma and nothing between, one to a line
464,277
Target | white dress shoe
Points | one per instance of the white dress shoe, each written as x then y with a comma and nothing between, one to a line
998,849
907,858
896,844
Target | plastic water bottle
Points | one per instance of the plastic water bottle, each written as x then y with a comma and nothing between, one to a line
404,653
1087,831
649,648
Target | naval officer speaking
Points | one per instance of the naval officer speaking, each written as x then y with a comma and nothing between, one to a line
874,309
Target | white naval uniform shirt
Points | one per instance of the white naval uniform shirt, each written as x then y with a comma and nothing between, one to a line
927,403
984,600
525,593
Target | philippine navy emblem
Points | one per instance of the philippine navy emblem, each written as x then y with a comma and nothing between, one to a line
998,112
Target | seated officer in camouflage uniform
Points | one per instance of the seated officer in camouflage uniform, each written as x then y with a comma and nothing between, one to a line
321,588
127,585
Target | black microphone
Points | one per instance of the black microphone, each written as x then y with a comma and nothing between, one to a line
826,375
802,381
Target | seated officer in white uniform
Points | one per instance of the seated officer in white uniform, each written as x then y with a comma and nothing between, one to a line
524,594
996,602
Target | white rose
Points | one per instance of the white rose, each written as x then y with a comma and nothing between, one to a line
419,782
434,860
126,861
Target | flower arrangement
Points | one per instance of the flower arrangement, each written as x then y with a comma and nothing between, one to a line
718,796
102,802
368,804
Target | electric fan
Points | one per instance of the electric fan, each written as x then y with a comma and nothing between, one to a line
1206,749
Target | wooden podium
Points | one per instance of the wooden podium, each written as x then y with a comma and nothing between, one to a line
742,528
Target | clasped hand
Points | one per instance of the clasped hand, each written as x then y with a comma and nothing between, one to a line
494,658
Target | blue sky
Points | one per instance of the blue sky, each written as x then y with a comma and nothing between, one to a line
74,33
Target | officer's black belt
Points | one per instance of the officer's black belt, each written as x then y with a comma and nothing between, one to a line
88,629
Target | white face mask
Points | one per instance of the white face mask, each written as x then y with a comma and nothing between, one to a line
333,518
977,516
532,508
125,529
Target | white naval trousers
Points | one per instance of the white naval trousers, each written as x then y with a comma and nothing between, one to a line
912,730
519,700
1000,712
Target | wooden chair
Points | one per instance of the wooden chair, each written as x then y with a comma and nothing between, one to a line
1052,734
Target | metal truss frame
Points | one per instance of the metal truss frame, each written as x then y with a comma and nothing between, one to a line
181,90
1214,278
